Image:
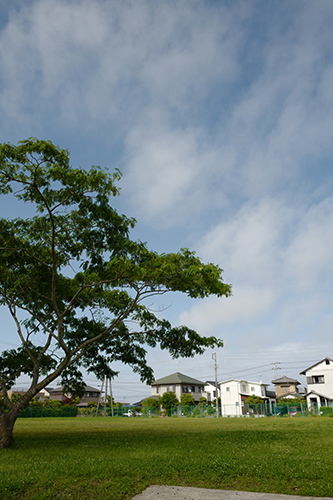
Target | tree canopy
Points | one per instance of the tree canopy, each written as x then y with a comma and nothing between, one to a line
168,400
76,284
187,399
254,400
151,402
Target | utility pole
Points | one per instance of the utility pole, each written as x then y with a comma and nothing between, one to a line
106,395
216,388
99,398
276,368
105,381
111,397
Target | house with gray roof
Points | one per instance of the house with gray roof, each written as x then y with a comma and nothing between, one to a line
179,384
286,387
91,394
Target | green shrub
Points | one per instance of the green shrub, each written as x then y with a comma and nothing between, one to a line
326,410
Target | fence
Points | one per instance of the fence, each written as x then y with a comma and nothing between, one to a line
48,411
193,411
259,410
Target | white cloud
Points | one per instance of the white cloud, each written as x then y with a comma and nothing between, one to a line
308,259
167,172
248,245
280,265
246,304
113,52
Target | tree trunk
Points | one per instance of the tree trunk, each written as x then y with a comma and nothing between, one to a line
7,422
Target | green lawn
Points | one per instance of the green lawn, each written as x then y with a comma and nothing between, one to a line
117,458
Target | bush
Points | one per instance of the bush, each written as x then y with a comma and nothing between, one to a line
326,410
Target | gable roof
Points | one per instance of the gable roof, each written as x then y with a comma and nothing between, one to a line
316,364
88,388
177,378
318,394
285,380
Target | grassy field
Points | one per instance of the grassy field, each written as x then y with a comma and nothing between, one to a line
117,458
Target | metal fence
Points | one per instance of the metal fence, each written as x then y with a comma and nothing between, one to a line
198,411
259,410
48,411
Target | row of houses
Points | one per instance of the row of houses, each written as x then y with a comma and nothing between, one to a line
234,392
90,395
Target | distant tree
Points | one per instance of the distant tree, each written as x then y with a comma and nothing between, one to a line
187,399
255,402
291,401
202,401
92,404
151,402
168,400
75,283
53,403
36,401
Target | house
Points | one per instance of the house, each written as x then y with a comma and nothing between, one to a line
319,381
122,402
90,395
45,393
210,391
16,391
179,384
286,387
234,393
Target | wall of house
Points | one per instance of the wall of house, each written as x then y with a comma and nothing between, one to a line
322,379
209,392
282,389
178,389
230,398
235,392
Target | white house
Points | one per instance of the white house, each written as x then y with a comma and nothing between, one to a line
210,390
234,393
319,381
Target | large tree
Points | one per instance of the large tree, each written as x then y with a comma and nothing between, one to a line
75,283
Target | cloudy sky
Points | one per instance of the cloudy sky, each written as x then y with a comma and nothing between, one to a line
219,114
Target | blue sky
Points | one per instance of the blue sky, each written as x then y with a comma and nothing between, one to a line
219,115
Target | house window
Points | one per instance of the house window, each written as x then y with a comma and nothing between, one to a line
171,388
192,388
157,389
316,379
185,388
285,388
327,361
200,388
227,389
252,389
214,394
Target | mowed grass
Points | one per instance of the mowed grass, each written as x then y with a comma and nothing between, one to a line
117,458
